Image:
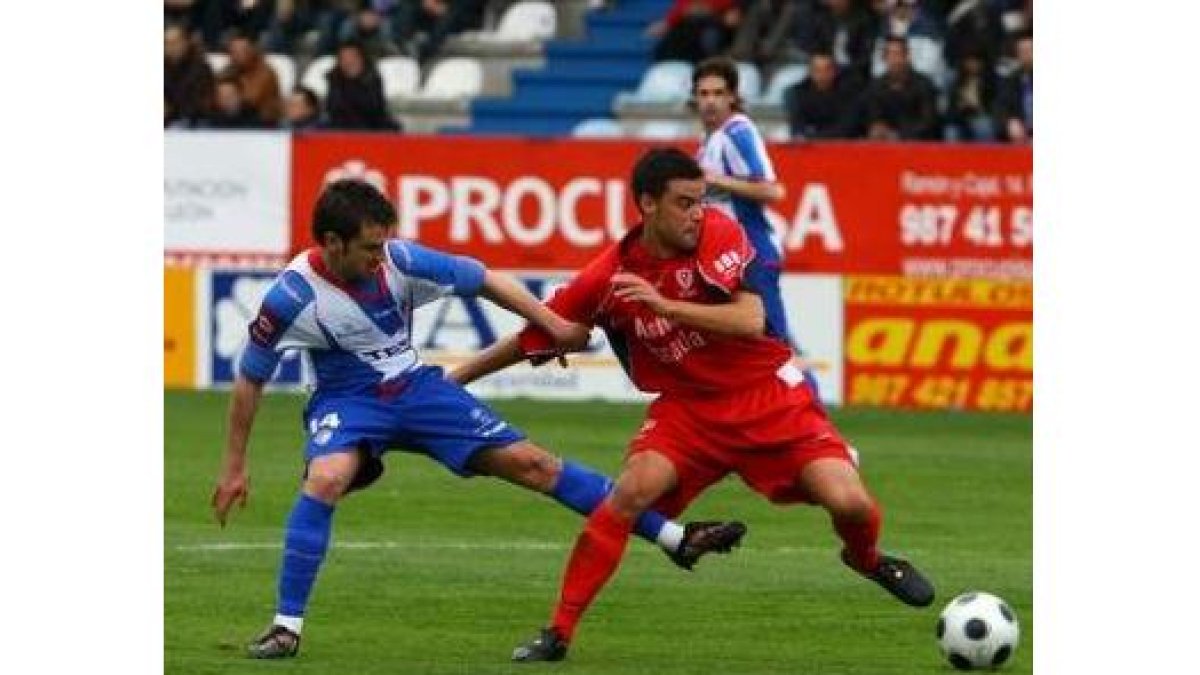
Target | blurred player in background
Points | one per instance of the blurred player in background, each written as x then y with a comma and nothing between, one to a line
680,301
739,177
348,303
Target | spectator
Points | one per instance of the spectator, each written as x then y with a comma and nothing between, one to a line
231,111
372,26
246,17
765,34
355,98
694,30
257,79
907,19
823,104
187,81
973,26
972,97
843,28
302,111
1014,101
422,26
186,13
294,19
901,103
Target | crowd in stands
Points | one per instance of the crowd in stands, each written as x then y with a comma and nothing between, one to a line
246,93
975,83
957,70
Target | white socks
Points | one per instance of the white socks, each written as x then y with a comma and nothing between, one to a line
671,536
292,623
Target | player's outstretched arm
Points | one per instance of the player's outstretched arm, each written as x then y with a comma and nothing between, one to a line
762,191
742,316
234,484
500,355
506,291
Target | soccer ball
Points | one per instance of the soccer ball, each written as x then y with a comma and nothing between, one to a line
978,630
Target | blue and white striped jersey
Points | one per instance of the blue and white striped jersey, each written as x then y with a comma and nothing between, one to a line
737,150
356,336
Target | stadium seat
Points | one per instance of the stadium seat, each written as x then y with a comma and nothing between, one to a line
926,55
664,82
598,127
454,78
781,80
775,131
526,20
285,71
314,75
666,130
401,76
749,81
217,61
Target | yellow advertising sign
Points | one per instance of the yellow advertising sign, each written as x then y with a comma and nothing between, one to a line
179,327
939,343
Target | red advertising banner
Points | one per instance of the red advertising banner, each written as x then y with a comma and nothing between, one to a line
926,210
939,343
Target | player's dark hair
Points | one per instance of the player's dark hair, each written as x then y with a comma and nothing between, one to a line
658,167
722,67
346,206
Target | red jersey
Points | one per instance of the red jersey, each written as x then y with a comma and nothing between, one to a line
660,355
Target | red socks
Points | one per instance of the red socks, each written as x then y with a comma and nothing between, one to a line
596,555
861,538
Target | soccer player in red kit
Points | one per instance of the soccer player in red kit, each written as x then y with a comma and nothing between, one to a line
674,299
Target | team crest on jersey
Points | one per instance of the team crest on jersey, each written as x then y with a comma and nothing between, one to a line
686,279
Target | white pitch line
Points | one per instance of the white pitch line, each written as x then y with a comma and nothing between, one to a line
369,545
234,546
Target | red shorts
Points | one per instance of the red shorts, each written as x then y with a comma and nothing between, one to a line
766,434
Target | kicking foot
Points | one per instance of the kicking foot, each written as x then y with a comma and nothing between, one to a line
706,537
276,642
547,646
898,577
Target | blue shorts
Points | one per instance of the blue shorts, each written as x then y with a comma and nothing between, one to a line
429,415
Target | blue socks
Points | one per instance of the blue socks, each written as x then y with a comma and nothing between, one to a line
311,521
304,546
581,489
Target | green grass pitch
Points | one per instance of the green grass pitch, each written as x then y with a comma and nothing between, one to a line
432,574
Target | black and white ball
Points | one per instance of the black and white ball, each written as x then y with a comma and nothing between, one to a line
978,630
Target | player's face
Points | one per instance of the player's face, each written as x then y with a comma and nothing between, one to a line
714,100
675,217
358,258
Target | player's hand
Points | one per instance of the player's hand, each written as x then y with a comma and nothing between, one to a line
633,288
234,487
